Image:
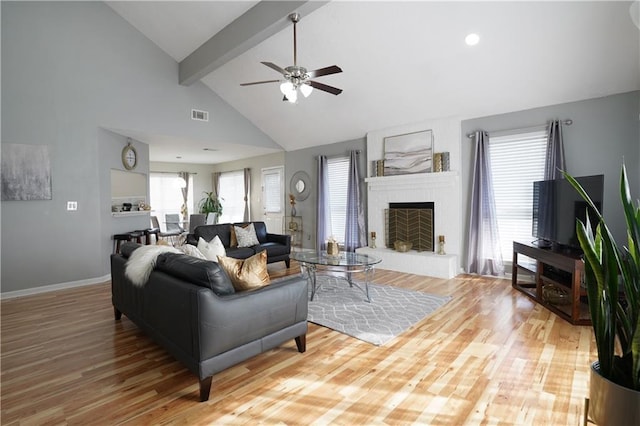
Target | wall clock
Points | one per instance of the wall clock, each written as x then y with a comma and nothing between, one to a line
129,157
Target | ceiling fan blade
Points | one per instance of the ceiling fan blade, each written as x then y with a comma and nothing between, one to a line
325,88
259,82
333,69
275,67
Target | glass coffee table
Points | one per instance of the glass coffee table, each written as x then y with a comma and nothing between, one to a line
346,262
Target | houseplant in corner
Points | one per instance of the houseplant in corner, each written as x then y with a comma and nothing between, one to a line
210,204
612,276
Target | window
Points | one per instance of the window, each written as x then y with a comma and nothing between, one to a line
232,195
272,190
338,171
517,160
165,195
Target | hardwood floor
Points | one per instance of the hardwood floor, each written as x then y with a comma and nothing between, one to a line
490,356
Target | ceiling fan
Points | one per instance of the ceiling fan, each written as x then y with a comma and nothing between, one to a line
296,77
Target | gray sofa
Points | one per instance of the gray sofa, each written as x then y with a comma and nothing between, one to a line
189,307
278,246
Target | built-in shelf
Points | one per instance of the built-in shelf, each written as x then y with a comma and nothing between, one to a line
129,214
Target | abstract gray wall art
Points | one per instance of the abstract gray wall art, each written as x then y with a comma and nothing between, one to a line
410,153
26,172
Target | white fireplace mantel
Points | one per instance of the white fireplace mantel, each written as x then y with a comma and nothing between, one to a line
431,180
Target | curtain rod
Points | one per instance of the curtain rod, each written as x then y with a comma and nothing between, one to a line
172,173
568,122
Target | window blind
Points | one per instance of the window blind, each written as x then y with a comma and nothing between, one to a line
272,191
232,194
517,160
338,171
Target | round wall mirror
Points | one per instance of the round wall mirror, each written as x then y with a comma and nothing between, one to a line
300,185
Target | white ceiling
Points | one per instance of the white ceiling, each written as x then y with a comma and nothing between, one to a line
405,62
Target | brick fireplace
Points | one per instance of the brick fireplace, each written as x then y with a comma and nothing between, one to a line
441,188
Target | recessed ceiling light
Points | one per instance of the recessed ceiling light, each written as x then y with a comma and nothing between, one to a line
472,39
178,157
209,149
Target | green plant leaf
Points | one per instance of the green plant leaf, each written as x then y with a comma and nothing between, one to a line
610,268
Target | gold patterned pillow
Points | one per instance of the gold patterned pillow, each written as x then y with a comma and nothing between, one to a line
246,274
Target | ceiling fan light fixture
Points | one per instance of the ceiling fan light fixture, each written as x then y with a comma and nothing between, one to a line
306,89
297,77
286,88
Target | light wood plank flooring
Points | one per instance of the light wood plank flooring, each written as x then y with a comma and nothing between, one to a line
490,356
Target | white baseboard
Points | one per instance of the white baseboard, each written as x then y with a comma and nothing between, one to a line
54,287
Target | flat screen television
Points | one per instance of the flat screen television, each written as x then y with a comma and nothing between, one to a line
557,205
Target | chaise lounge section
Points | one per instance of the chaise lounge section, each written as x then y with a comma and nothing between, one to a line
189,306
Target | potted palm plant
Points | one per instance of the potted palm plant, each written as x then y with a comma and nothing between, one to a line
612,277
210,204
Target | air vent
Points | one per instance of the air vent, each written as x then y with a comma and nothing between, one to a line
199,115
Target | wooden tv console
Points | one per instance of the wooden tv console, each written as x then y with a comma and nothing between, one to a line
550,268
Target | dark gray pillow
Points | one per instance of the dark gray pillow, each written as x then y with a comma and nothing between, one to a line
203,273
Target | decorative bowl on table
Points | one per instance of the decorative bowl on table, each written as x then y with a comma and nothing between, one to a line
402,246
555,295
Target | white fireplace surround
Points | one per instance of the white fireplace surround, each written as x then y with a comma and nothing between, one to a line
442,188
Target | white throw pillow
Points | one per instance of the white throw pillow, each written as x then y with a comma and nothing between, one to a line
212,249
246,236
191,250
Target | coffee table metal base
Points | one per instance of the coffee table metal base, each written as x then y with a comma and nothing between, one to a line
312,272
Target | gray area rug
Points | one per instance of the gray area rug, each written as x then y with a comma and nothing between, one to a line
391,312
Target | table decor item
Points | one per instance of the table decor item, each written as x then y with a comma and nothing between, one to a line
402,246
332,247
441,245
555,295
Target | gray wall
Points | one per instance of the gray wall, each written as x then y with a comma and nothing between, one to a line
307,160
604,132
70,70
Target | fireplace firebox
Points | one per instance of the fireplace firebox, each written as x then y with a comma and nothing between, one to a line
411,222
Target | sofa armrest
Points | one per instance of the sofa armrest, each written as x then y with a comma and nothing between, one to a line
227,322
283,239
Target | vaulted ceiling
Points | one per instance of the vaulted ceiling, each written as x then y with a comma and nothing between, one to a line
403,62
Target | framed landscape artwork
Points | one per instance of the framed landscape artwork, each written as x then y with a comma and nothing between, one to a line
409,153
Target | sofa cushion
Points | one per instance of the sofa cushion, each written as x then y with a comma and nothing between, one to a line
246,236
203,273
259,227
208,232
212,249
246,274
273,249
190,250
241,253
